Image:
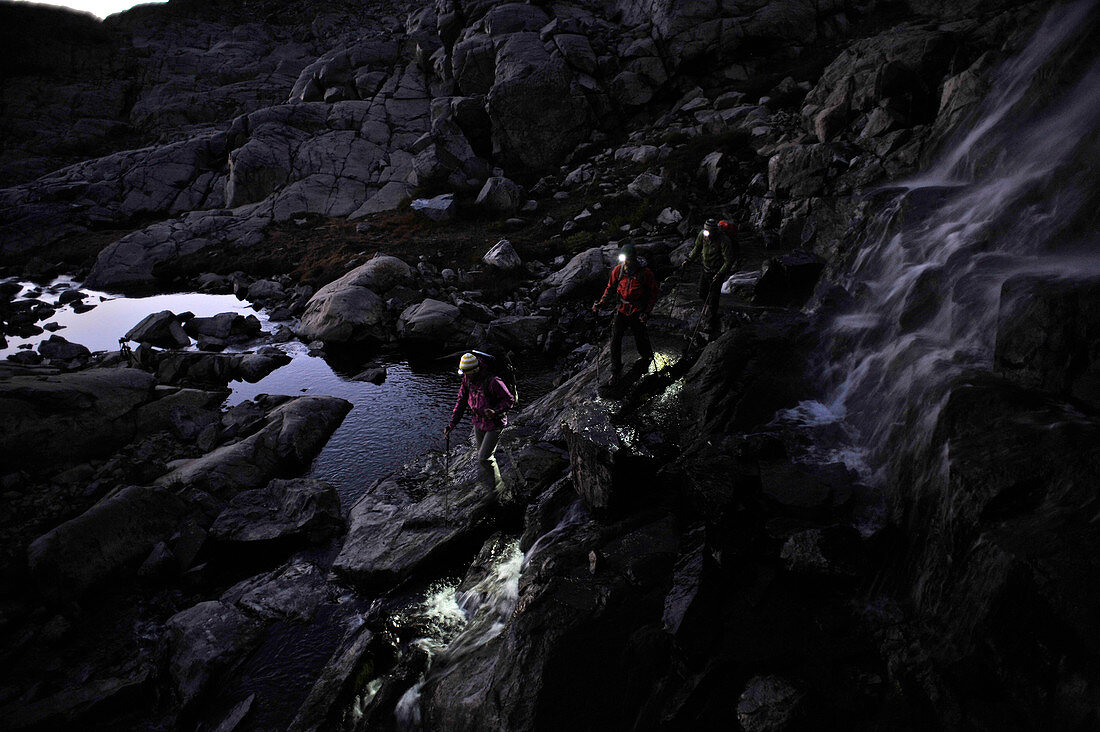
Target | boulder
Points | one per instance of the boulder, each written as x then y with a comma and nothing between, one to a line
519,332
389,197
645,185
503,256
60,349
587,270
769,704
205,642
264,291
431,321
283,513
788,279
344,312
500,196
90,413
118,531
539,111
286,441
291,593
440,209
161,329
392,533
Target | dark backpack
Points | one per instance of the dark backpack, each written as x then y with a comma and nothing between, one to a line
500,366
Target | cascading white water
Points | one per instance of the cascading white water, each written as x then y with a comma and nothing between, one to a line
931,267
470,619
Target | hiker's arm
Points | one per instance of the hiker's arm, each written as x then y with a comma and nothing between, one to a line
612,281
503,399
697,248
460,406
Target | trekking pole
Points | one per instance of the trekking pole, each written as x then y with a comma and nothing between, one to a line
447,451
695,332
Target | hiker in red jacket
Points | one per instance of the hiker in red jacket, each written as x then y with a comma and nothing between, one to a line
636,288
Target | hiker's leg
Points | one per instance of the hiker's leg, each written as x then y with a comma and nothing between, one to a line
490,472
715,325
618,327
641,339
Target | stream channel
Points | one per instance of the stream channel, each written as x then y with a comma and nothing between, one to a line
389,424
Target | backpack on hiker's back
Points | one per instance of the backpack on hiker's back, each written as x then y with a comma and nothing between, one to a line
500,366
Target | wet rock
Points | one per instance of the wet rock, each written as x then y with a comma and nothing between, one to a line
997,534
289,438
392,533
607,473
337,682
547,511
560,602
284,513
743,378
217,369
687,580
118,531
374,375
204,643
503,256
159,329
291,593
769,704
69,296
1048,335
90,413
788,279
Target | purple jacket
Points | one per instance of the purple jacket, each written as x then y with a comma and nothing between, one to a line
481,396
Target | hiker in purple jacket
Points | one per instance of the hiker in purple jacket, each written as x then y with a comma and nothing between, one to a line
488,399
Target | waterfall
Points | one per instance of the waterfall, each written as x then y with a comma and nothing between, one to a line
1017,193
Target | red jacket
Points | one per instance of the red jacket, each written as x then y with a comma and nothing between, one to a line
637,290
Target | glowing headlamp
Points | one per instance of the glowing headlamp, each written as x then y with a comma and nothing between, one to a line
706,233
622,257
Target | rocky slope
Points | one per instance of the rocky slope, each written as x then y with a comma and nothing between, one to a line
867,504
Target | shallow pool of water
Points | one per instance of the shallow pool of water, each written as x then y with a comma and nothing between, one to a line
389,424
113,315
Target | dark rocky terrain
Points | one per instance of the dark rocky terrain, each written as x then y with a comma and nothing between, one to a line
869,504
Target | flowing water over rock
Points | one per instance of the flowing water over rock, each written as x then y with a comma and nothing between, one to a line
1004,200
